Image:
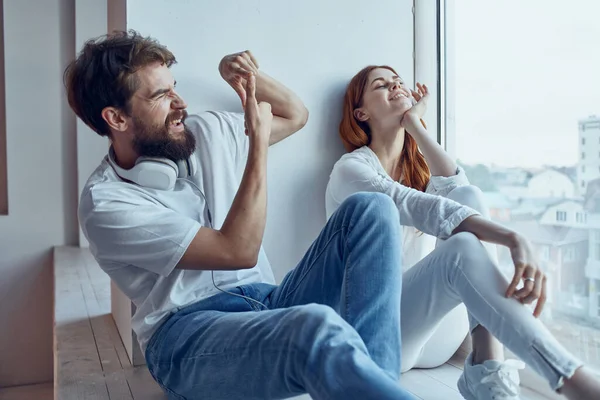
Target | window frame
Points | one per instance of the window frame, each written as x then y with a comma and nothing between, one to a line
3,140
431,46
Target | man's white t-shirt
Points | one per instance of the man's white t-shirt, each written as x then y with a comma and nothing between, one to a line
138,235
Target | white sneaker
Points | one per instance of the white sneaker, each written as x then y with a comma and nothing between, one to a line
492,380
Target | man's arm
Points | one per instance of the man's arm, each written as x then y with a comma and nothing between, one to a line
289,112
237,244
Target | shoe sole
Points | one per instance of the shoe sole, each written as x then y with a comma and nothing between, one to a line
463,389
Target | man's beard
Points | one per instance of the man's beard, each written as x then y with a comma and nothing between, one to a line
153,141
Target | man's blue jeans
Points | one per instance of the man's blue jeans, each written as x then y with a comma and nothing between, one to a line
331,329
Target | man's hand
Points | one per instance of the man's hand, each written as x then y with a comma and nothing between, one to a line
411,121
526,268
236,68
258,116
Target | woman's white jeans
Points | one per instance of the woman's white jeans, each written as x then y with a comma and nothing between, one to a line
460,271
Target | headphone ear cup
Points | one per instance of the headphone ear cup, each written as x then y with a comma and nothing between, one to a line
187,167
160,174
150,172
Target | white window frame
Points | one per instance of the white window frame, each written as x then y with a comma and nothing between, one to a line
428,48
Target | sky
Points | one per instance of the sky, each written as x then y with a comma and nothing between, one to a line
526,71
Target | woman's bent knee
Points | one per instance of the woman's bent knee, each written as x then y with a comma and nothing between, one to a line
470,196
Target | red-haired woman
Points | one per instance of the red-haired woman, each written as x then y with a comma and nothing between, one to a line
390,151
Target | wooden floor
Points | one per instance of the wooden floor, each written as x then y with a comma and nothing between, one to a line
433,384
102,371
90,360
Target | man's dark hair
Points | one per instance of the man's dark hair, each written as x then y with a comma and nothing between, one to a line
102,75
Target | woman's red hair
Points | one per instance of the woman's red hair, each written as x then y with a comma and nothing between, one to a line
355,134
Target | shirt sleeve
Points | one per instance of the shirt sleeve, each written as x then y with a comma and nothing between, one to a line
433,215
231,126
442,185
147,236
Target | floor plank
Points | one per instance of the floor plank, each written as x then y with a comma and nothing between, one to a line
91,362
446,374
426,387
116,383
143,387
78,371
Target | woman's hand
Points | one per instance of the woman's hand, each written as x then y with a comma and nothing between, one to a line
526,268
412,118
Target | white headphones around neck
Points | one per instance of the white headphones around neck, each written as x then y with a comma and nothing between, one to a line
155,173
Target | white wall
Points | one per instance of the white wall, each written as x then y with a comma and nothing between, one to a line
312,46
90,22
41,157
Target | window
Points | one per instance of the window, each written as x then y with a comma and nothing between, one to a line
561,215
598,311
475,49
596,246
545,254
569,254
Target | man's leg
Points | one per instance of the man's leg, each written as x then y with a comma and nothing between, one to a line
354,266
220,348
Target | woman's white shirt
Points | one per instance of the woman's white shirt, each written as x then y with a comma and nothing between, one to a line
424,216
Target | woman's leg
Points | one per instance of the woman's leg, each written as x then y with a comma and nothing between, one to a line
437,347
460,270
485,345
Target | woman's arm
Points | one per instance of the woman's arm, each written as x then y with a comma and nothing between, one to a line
439,162
488,231
431,214
526,266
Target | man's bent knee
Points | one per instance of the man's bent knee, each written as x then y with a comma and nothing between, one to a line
319,325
